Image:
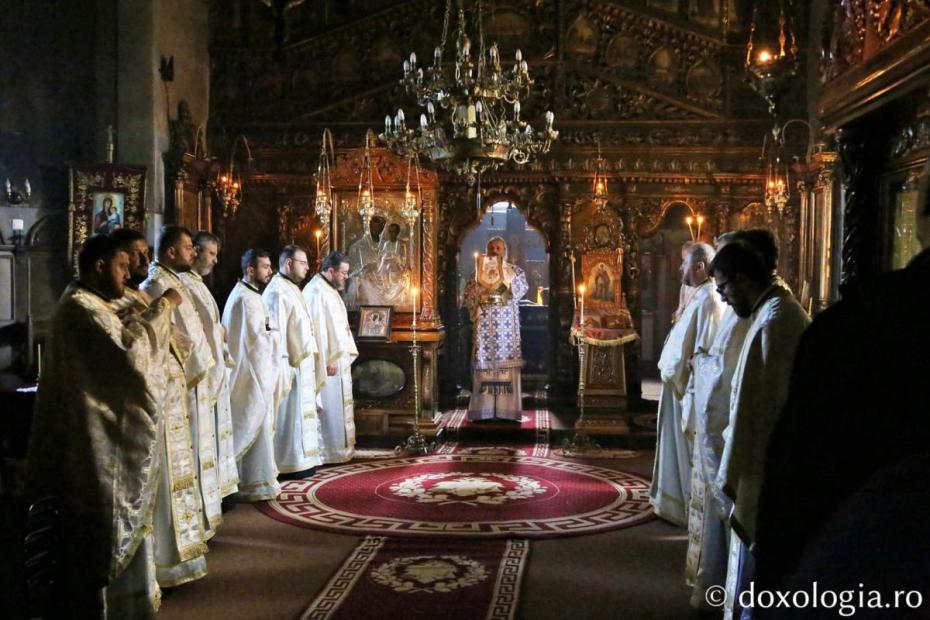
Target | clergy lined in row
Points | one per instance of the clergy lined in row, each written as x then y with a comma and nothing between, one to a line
725,375
163,407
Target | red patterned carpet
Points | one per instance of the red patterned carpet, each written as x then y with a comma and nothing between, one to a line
484,495
424,579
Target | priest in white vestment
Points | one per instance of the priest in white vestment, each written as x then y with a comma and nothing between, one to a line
297,429
178,537
175,255
253,380
712,373
337,350
759,388
708,530
694,331
685,292
207,246
493,301
706,560
95,436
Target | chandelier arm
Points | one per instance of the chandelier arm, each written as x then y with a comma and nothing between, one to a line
752,33
810,131
480,43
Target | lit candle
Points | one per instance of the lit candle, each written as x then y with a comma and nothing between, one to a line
318,233
700,220
476,268
688,221
581,290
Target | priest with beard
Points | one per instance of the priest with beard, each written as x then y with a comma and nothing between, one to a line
708,531
96,435
759,390
175,254
670,493
297,431
497,358
207,247
253,379
337,351
179,536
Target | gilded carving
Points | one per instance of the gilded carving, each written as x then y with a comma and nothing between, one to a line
704,80
857,29
663,67
582,38
602,366
622,51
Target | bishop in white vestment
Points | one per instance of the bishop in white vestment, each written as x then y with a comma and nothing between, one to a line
337,350
207,246
253,380
94,442
175,251
694,331
297,429
758,392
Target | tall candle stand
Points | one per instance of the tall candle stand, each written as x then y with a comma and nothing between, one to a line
415,443
580,442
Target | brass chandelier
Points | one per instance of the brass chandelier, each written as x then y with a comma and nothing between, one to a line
470,112
772,65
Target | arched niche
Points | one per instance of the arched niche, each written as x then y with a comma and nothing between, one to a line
504,215
526,245
660,275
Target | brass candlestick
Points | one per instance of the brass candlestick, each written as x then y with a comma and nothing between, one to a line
415,443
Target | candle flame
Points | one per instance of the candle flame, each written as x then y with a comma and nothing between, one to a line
765,56
688,220
582,288
317,233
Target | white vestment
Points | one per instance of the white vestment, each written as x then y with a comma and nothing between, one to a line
671,473
336,348
196,370
758,392
178,541
706,563
209,314
94,447
253,383
297,426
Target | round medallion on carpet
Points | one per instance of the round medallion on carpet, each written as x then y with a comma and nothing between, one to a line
464,495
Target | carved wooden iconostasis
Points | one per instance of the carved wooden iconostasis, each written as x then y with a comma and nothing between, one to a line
655,87
874,105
